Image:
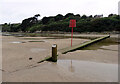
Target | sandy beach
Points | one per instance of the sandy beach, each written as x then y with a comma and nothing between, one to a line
99,65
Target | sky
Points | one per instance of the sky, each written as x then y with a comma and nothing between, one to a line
14,11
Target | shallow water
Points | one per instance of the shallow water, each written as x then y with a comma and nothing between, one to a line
90,70
17,42
106,42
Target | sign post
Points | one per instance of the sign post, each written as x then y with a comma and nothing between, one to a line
72,24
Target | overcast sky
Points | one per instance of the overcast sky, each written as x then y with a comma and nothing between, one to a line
14,11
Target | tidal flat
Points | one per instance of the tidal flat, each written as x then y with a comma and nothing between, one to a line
96,63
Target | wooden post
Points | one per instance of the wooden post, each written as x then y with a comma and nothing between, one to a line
54,53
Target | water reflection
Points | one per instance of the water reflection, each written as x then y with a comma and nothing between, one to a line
93,70
71,68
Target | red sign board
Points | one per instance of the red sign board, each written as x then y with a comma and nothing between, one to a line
72,23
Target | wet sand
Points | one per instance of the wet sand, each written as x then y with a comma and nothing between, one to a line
108,54
17,51
79,66
65,71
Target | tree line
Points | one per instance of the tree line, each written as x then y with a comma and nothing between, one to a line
59,22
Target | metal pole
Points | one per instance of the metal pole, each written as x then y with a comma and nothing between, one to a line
54,53
71,36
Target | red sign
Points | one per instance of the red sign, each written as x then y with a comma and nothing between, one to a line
72,23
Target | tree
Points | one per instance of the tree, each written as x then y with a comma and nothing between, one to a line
61,23
90,16
37,15
29,22
69,15
110,15
59,17
5,28
84,17
77,15
46,20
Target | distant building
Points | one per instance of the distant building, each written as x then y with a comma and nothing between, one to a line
98,16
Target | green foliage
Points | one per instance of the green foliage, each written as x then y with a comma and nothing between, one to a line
35,28
5,27
84,17
61,23
29,22
10,28
69,15
59,17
